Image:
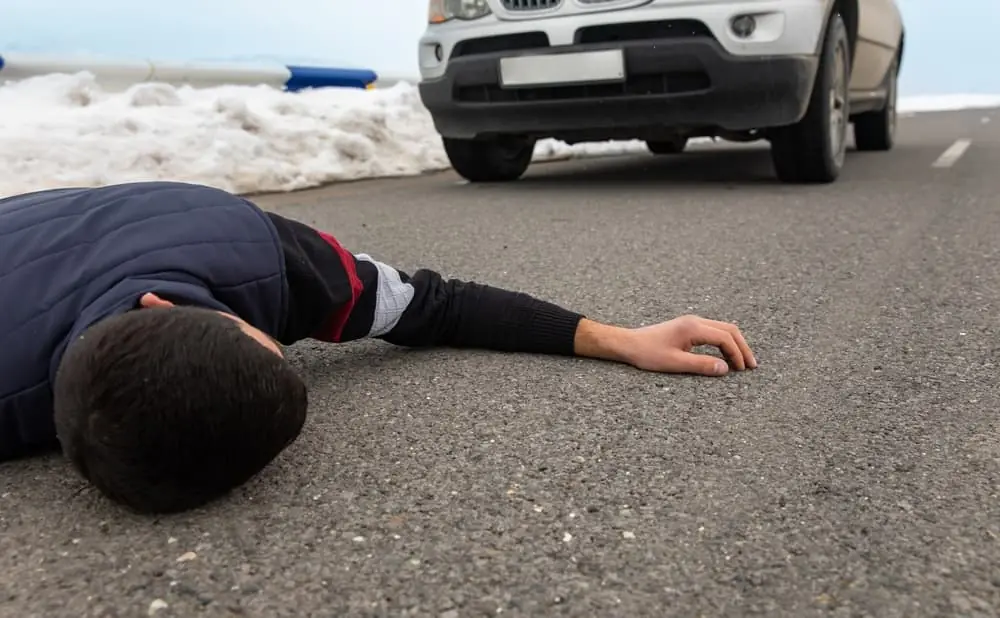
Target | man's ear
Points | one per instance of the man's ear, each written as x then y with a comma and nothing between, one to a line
152,301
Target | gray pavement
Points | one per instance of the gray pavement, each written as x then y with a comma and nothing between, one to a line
855,473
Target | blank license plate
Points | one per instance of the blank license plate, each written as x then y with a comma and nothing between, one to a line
555,69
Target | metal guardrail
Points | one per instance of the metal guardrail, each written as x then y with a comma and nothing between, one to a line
114,74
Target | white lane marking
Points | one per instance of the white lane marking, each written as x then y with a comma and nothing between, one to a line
953,154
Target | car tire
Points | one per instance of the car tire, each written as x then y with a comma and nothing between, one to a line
813,149
876,131
667,147
490,160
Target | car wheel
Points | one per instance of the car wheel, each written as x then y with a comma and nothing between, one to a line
667,147
813,149
877,130
500,159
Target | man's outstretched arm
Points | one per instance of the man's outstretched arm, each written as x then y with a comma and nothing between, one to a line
337,296
464,314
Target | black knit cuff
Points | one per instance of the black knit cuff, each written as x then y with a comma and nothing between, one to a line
548,329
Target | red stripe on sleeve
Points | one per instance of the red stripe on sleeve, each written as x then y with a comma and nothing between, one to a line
335,326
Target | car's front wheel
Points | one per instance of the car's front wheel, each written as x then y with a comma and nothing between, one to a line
874,131
499,159
813,149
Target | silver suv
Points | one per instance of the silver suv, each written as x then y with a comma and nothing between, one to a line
497,75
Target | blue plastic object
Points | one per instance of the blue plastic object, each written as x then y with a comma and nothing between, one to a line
318,77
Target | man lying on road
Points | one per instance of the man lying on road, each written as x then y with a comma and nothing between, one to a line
141,327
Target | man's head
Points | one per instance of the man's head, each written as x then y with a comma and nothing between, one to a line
166,408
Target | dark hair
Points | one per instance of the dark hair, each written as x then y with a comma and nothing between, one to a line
167,409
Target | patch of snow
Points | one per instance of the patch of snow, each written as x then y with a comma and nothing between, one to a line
64,130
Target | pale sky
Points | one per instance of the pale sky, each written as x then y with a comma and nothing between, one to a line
947,50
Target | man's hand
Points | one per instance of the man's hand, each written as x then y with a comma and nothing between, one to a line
666,347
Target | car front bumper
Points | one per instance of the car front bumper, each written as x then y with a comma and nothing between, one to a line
692,84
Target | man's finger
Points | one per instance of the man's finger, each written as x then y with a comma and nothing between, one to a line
722,339
741,341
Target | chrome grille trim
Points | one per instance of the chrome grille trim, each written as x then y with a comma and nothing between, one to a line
519,6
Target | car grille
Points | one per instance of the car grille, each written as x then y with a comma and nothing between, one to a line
501,43
643,30
657,84
530,5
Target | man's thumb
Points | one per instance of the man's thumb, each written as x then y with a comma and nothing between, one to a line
702,364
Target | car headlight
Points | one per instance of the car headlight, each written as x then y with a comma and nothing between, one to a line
440,11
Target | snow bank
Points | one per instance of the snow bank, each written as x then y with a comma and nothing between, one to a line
63,130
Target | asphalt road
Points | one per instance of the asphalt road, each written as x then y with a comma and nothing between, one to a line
855,473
